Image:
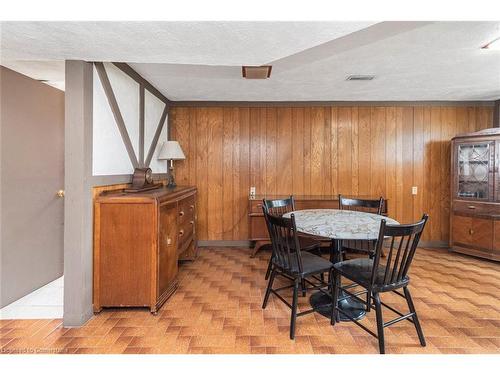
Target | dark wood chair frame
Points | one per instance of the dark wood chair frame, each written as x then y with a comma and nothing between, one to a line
283,232
279,207
375,204
395,277
365,205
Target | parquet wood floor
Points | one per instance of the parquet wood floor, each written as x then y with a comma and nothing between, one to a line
217,309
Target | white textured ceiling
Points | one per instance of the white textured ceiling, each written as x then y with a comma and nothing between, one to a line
205,43
50,72
202,60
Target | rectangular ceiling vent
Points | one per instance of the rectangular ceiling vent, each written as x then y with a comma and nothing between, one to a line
360,77
256,72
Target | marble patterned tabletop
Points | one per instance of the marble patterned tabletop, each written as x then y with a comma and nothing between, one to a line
339,224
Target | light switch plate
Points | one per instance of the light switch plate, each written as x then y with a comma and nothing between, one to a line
414,190
252,192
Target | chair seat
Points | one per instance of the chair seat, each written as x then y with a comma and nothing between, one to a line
359,270
311,264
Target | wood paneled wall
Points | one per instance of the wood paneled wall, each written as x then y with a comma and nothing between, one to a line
320,150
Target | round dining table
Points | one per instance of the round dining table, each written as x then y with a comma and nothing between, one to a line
338,225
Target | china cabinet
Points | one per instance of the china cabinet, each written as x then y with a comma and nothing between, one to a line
475,203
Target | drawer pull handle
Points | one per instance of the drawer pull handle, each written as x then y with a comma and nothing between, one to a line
181,213
181,232
471,207
259,205
192,222
191,207
471,231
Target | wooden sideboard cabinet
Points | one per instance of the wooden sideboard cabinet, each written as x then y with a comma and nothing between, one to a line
138,240
257,225
475,194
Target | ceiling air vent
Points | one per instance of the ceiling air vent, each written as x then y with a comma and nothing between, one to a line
360,77
256,72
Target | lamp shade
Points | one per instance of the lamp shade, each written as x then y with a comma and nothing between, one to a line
171,150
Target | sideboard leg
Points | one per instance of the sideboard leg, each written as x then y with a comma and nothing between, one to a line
258,246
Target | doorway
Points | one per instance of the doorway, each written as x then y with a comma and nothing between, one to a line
32,199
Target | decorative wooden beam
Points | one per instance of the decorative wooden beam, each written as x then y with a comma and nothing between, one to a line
141,124
110,95
152,148
127,69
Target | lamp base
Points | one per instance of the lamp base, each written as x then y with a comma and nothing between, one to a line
171,180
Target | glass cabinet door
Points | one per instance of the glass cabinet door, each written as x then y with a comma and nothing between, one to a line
474,166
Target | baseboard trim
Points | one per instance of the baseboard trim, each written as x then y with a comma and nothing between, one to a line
247,243
224,243
434,244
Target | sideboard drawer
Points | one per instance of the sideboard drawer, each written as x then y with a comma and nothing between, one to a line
473,208
187,209
185,235
256,207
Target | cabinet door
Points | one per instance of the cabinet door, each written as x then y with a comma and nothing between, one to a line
167,247
474,166
496,171
258,228
461,229
482,233
473,232
126,243
496,238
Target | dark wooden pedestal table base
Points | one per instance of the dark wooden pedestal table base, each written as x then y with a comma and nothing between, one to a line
322,303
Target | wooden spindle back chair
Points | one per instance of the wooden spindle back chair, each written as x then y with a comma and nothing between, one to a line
279,207
289,261
374,206
378,276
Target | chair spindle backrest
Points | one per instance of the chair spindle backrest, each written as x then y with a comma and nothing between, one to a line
403,244
286,247
367,205
279,207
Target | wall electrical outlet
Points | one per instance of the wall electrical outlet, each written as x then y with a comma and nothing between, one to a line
252,192
414,190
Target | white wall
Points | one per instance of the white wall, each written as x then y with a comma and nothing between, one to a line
153,109
109,156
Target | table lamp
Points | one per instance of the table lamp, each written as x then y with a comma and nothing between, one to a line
171,150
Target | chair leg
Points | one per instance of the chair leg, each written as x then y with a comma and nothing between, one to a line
334,279
368,300
380,323
294,309
269,287
269,267
415,317
303,287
